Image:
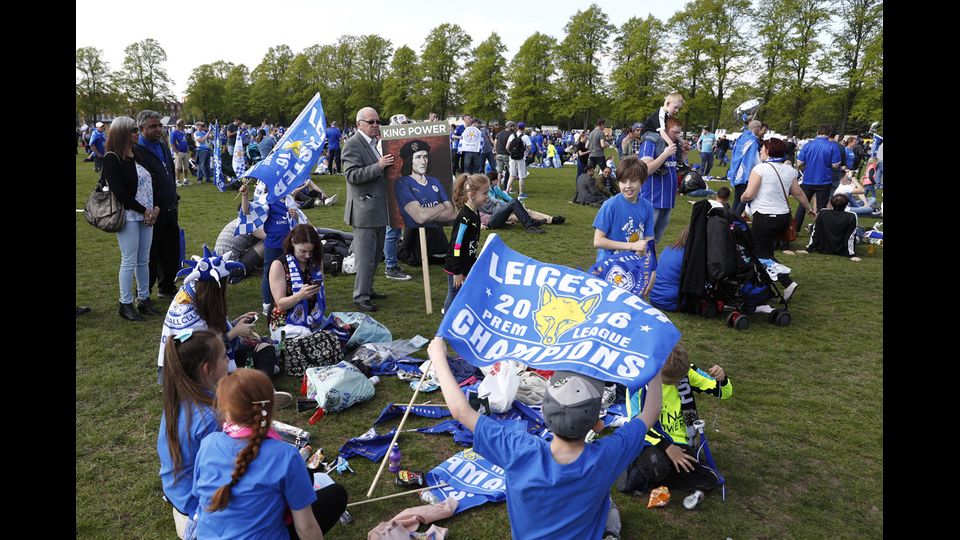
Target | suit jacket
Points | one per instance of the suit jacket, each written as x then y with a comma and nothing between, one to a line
163,174
366,204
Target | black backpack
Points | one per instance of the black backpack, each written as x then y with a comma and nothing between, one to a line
517,148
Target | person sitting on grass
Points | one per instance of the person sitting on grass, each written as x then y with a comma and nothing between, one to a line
588,191
834,230
561,488
252,484
670,460
309,194
665,293
195,361
856,201
500,208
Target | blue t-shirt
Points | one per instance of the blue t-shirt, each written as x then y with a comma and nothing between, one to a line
97,140
746,154
818,155
178,140
659,189
275,480
546,499
706,142
277,225
666,286
850,157
409,190
203,421
623,221
333,138
455,143
205,145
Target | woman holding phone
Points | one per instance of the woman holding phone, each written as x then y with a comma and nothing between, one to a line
297,319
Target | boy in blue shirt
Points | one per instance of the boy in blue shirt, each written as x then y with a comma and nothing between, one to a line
561,488
625,221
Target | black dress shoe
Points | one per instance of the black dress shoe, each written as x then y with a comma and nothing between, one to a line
163,294
128,312
147,307
377,296
365,305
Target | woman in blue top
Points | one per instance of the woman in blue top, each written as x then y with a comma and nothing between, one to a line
247,478
275,227
666,287
195,361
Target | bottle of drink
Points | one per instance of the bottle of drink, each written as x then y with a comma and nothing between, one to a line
375,379
394,459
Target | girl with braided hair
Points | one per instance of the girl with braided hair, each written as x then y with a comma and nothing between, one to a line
250,483
195,361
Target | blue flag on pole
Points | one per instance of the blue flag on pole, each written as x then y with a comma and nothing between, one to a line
214,144
627,270
551,317
369,445
295,155
392,410
473,480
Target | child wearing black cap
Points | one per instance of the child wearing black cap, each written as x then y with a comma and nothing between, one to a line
561,488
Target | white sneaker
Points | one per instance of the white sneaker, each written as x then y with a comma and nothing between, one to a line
266,310
764,308
788,292
330,200
317,202
282,400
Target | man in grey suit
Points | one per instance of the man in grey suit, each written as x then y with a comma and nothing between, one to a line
366,206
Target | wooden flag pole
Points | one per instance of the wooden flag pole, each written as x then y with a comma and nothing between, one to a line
400,427
426,271
440,485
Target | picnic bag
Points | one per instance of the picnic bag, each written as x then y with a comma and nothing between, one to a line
790,233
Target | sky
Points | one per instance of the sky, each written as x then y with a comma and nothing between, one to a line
241,31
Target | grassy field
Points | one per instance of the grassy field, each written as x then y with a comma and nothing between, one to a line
800,442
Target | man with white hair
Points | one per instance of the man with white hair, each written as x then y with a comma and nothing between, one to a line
97,142
367,209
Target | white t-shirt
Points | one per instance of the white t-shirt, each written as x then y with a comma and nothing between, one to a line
770,198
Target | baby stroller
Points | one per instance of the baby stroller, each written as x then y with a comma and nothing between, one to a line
720,271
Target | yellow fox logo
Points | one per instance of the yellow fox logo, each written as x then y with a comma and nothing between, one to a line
557,314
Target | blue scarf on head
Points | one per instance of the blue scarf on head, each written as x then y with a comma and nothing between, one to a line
301,314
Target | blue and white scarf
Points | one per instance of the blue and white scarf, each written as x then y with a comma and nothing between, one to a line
300,319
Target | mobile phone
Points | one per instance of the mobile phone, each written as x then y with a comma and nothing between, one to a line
254,318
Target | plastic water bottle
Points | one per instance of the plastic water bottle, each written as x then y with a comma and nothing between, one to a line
346,518
375,379
394,459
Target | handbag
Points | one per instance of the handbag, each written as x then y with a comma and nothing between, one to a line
790,233
103,210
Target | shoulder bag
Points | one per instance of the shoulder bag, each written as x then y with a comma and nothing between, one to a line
790,233
103,210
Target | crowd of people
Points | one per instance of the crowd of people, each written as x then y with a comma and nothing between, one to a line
223,469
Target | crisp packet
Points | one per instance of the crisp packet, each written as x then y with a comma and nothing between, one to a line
315,459
659,497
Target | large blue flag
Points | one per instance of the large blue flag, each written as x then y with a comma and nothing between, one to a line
369,445
473,480
214,144
552,317
295,155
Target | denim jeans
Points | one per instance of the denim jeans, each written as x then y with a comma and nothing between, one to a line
203,164
857,207
661,218
879,180
502,214
870,191
472,162
269,255
390,246
134,239
490,160
706,162
451,293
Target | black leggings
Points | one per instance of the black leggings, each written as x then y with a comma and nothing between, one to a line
329,506
766,229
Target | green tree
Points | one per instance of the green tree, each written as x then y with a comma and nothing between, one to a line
400,84
443,53
207,90
341,75
143,76
238,99
322,62
802,51
268,78
299,85
484,87
582,51
770,22
689,61
724,46
530,73
861,21
370,69
868,106
637,59
95,85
